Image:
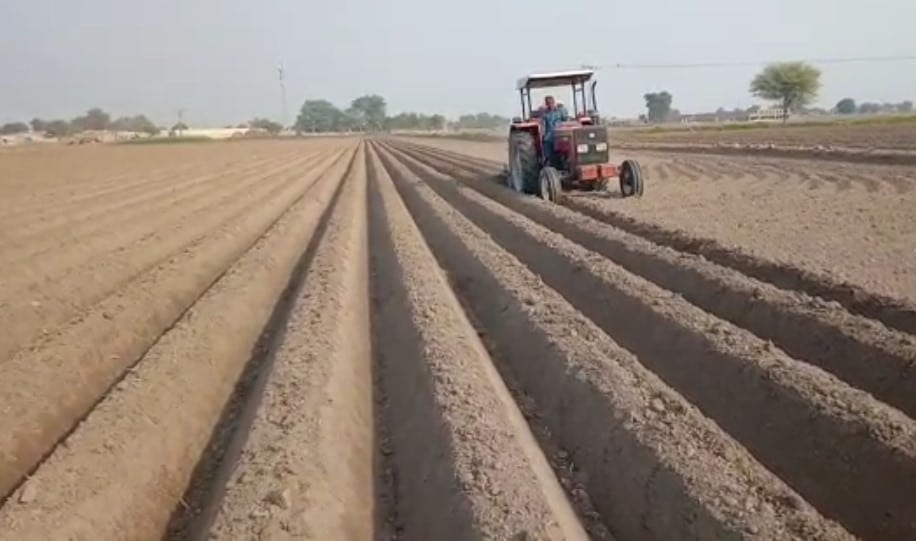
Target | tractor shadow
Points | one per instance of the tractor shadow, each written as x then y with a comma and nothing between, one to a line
500,178
593,195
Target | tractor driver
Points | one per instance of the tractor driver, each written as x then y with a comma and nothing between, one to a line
550,116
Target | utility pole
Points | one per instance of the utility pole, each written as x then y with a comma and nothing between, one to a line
281,71
180,124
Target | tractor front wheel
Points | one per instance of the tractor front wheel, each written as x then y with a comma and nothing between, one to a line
551,187
632,182
523,163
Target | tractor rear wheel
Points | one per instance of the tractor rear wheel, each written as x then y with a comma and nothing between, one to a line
631,179
551,187
523,163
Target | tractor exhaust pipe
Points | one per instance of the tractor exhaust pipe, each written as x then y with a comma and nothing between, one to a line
596,117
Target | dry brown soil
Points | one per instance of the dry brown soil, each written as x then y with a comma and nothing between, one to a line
850,222
375,339
891,135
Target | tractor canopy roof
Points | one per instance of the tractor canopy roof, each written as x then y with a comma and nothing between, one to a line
559,78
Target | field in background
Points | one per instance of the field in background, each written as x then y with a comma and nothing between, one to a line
889,139
323,337
895,132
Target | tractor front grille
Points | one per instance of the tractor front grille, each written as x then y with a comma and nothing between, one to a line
593,140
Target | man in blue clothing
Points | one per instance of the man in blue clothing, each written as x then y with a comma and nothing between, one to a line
551,115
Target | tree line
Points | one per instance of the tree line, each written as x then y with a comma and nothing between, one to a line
366,113
848,106
95,119
369,113
791,85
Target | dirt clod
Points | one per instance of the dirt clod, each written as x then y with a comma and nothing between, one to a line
28,493
280,498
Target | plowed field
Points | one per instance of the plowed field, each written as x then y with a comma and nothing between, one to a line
894,134
346,339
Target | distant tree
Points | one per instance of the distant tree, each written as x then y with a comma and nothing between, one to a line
57,128
905,107
658,105
146,125
94,119
38,125
869,108
415,121
97,119
137,123
122,123
481,121
368,112
792,84
846,106
267,125
13,128
240,126
467,122
320,116
436,122
402,121
178,129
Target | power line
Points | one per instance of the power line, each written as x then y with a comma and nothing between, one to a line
694,65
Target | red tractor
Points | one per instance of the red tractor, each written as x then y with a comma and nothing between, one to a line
575,155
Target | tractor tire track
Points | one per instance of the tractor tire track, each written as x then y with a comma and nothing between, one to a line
891,311
104,226
299,425
36,307
37,236
806,426
449,414
861,351
42,205
52,384
631,434
382,342
155,423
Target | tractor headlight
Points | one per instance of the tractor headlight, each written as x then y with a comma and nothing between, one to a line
582,149
601,147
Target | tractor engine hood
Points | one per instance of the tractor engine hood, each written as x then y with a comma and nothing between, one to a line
585,144
590,134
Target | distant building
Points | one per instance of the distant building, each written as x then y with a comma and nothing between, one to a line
214,133
767,115
737,115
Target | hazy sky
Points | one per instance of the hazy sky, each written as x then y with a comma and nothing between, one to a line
217,58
